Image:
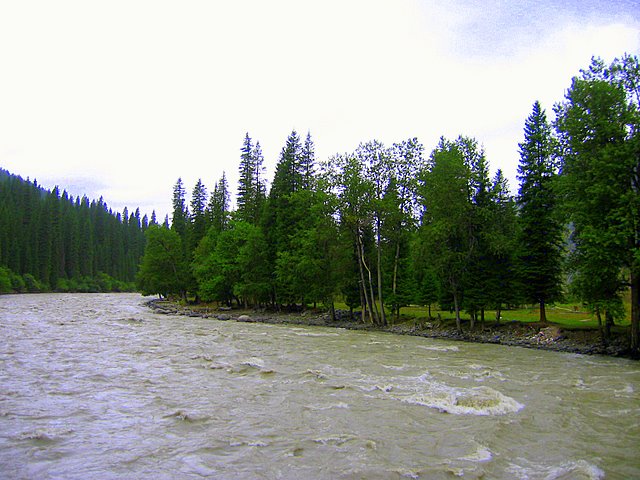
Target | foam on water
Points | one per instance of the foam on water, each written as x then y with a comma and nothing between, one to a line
481,454
465,401
572,470
426,391
439,348
171,397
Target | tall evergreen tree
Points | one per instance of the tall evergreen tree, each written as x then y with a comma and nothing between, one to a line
180,215
445,228
218,208
540,242
599,127
259,194
251,187
501,286
246,180
307,162
198,219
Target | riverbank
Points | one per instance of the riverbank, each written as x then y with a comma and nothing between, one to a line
528,335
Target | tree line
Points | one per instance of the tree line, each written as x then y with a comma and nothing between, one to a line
383,227
51,241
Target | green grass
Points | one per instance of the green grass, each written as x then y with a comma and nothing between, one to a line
568,315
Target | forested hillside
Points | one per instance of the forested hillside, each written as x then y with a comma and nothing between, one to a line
386,226
50,241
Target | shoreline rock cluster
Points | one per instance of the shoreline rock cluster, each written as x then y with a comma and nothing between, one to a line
527,335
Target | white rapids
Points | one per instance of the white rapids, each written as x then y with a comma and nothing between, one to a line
98,386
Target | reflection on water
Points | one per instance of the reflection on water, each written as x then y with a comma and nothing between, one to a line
97,386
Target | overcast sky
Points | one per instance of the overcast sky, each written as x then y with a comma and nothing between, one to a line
119,98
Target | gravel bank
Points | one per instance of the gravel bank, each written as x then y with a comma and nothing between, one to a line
528,335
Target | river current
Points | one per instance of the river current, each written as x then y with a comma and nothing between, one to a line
100,387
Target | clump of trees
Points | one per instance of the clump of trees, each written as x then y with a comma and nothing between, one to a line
50,241
386,226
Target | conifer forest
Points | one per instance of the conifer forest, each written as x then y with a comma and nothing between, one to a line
378,228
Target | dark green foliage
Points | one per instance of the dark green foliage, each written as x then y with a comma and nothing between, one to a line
251,187
231,265
164,268
446,228
51,241
383,228
541,231
218,209
180,215
599,127
198,218
6,285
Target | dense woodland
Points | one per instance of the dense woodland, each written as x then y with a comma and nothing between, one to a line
51,241
378,228
387,226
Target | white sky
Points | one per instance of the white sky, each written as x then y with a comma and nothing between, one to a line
121,98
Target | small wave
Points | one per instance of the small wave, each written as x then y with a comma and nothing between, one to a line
44,436
580,470
314,334
340,405
186,417
132,320
317,374
244,443
342,439
254,362
473,401
395,367
482,454
626,390
381,388
438,348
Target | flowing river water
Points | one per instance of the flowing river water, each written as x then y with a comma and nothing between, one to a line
100,387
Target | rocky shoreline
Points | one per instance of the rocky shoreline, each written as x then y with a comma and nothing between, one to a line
527,335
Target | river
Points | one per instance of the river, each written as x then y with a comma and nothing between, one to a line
98,386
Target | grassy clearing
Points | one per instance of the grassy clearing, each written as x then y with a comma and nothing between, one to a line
568,315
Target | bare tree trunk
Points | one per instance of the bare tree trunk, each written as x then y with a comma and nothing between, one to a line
363,301
457,307
373,306
361,265
383,316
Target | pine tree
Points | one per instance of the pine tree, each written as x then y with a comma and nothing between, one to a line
180,211
197,220
445,231
259,188
540,256
246,181
218,208
251,187
307,162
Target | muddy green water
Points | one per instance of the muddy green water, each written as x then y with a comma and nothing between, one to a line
99,387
